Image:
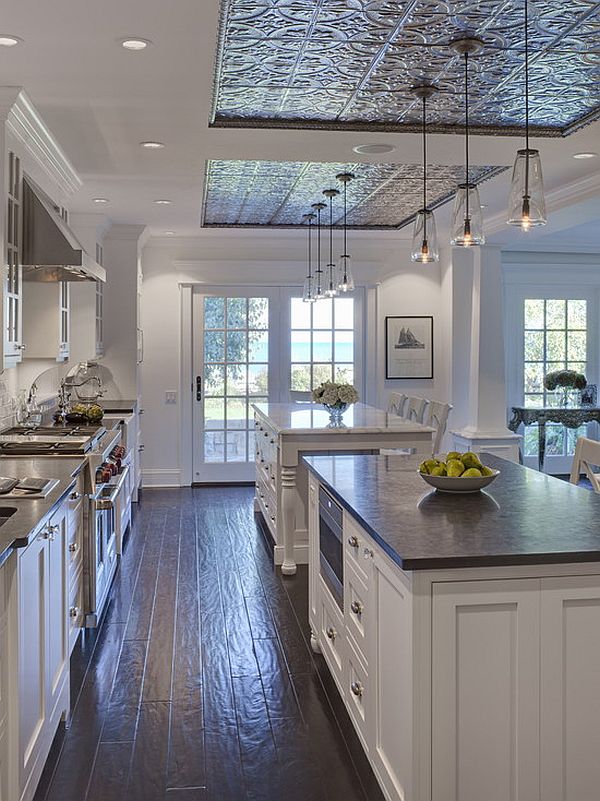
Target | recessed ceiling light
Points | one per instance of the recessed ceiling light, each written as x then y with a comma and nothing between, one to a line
9,41
152,145
135,44
101,200
162,201
374,148
585,155
169,233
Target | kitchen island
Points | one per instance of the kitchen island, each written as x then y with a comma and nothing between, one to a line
466,640
284,431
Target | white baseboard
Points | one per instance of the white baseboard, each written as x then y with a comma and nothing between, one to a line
300,554
167,477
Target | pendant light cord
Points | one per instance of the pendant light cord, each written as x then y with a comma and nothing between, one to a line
330,231
319,270
424,168
526,100
467,135
345,232
310,252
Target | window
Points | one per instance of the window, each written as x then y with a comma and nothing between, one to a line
555,338
322,342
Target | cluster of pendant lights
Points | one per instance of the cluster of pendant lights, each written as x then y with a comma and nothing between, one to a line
526,201
333,280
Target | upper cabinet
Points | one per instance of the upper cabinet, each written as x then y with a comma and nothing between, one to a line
13,278
46,320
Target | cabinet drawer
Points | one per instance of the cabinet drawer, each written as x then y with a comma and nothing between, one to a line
356,693
356,602
332,635
355,542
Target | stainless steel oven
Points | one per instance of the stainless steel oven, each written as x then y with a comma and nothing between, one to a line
331,545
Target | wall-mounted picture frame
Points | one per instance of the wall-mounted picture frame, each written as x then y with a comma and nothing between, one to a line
409,347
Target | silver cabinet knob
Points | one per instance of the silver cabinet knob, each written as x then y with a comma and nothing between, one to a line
75,496
74,611
353,541
331,633
357,689
368,553
356,607
74,547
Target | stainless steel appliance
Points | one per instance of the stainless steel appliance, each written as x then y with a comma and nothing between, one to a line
331,545
104,478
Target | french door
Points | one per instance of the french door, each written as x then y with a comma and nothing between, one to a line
233,355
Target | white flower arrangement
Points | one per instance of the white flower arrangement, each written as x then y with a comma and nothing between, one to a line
335,395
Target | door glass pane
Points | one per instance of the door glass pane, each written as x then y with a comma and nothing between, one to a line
236,354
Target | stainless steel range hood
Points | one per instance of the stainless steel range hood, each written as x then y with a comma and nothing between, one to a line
51,251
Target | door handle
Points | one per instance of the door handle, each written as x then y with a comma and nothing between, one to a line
198,388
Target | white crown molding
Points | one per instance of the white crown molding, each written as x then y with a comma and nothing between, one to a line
577,191
25,123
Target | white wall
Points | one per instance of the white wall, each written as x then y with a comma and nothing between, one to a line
380,261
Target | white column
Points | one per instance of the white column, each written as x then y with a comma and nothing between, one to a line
479,370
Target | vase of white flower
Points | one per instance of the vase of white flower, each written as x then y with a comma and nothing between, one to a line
336,398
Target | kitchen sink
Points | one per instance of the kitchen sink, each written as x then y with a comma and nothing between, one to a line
5,513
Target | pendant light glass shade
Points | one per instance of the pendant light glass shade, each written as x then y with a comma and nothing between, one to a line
424,243
467,219
345,277
526,203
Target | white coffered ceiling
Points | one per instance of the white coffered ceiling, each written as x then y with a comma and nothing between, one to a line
101,101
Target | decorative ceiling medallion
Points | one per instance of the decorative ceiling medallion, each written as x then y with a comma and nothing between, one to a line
337,64
276,194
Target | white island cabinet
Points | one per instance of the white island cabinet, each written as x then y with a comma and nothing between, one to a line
284,431
463,683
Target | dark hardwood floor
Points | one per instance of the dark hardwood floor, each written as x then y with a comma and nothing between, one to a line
200,684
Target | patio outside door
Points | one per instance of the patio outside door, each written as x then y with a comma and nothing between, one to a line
232,358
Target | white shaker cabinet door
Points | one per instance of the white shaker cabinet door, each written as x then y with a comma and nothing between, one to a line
58,597
570,692
390,617
485,677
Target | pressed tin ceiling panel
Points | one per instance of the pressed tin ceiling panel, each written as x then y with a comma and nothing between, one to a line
277,194
351,63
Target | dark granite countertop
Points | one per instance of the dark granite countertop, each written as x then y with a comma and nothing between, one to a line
523,517
16,531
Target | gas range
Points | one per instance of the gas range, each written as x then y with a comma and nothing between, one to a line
49,440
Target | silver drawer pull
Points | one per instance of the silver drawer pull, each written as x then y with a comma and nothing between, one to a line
356,607
74,611
357,689
331,633
73,547
353,541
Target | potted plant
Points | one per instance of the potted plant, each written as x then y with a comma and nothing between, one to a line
567,384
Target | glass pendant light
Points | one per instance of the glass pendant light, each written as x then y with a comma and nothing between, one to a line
424,243
467,220
330,281
526,203
308,292
345,277
319,285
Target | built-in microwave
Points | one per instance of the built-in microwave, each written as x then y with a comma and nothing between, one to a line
331,545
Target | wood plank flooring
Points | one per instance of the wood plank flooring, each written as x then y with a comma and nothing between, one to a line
200,684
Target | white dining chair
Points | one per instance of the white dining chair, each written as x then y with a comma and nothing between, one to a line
396,403
587,455
415,409
437,417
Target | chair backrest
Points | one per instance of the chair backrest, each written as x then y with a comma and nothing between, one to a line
437,417
587,454
396,403
415,409
297,396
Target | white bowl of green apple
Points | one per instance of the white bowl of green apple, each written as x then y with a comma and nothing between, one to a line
457,472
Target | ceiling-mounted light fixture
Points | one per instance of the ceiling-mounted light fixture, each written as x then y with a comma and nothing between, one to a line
345,277
319,287
424,244
467,220
526,204
331,288
309,290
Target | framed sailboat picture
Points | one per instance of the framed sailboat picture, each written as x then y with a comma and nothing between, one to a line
409,347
